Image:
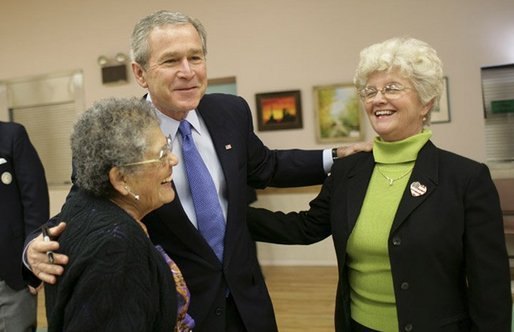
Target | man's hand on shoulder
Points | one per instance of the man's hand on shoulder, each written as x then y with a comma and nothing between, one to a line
344,151
38,258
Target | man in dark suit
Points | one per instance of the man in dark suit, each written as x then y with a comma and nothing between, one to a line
25,207
168,53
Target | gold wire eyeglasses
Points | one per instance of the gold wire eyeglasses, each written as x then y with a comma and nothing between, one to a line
390,91
164,155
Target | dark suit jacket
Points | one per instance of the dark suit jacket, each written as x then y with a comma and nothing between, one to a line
24,202
229,122
447,249
244,160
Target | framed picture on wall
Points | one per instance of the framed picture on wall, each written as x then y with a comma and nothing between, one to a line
279,110
338,113
222,85
441,114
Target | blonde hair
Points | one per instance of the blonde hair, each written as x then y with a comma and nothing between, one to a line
416,60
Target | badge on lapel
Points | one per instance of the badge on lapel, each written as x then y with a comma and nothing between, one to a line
417,189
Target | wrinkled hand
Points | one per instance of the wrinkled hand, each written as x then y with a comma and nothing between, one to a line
344,151
38,259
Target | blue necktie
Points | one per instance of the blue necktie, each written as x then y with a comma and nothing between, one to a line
209,216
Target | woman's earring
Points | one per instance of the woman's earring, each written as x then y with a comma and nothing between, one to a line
136,197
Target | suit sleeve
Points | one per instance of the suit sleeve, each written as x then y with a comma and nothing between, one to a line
303,227
33,189
487,267
31,180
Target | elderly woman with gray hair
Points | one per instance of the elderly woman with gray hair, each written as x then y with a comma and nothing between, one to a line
116,280
417,230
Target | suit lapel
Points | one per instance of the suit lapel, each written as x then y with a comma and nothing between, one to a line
176,219
225,147
221,140
425,172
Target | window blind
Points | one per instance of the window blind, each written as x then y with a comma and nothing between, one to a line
498,96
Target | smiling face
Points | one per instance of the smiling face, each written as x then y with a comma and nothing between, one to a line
152,181
394,119
176,73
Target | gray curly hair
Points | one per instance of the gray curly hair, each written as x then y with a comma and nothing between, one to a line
140,49
415,59
112,132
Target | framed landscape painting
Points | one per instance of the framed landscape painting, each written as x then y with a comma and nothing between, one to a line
279,110
338,113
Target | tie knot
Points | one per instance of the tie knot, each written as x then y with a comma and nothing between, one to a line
184,128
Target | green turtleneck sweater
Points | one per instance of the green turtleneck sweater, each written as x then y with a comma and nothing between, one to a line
373,302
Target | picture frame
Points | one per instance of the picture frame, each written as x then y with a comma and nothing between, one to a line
338,112
279,110
441,114
226,85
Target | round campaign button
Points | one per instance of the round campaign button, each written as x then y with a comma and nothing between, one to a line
6,178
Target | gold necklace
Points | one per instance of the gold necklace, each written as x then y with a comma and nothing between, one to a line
390,180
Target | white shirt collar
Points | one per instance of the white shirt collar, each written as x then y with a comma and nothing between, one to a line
170,126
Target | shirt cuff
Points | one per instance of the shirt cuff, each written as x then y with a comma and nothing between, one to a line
327,160
24,256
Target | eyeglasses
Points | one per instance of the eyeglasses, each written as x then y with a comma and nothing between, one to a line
164,155
390,91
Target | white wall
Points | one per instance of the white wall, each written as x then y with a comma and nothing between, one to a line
273,46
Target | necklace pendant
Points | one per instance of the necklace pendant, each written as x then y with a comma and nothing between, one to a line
391,180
